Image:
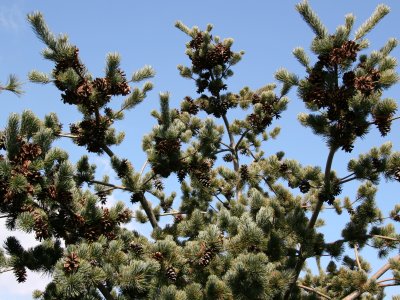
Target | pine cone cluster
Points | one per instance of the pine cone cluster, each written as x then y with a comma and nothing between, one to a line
343,54
205,57
215,105
202,171
166,146
71,263
169,156
91,133
260,121
335,99
72,62
205,60
171,273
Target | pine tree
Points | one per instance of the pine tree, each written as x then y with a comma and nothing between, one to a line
239,231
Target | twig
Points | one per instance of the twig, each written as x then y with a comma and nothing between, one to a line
390,120
389,284
347,180
148,180
374,277
241,138
222,150
307,288
345,177
385,237
212,207
110,185
68,135
143,167
357,258
227,146
384,280
6,270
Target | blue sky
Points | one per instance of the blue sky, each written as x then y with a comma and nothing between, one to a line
143,33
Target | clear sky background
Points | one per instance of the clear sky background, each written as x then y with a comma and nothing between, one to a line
143,33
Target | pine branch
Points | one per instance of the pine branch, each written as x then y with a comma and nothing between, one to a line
312,19
108,151
374,277
149,212
307,288
380,11
313,220
234,152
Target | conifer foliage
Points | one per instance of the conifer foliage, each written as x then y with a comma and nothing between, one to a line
246,222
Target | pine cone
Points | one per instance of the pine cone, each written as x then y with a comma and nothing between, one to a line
191,108
219,55
283,167
228,157
383,123
349,78
20,274
196,42
181,175
158,185
397,174
136,247
136,197
253,248
365,84
71,263
167,146
158,256
178,218
171,273
304,186
102,85
207,256
244,172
